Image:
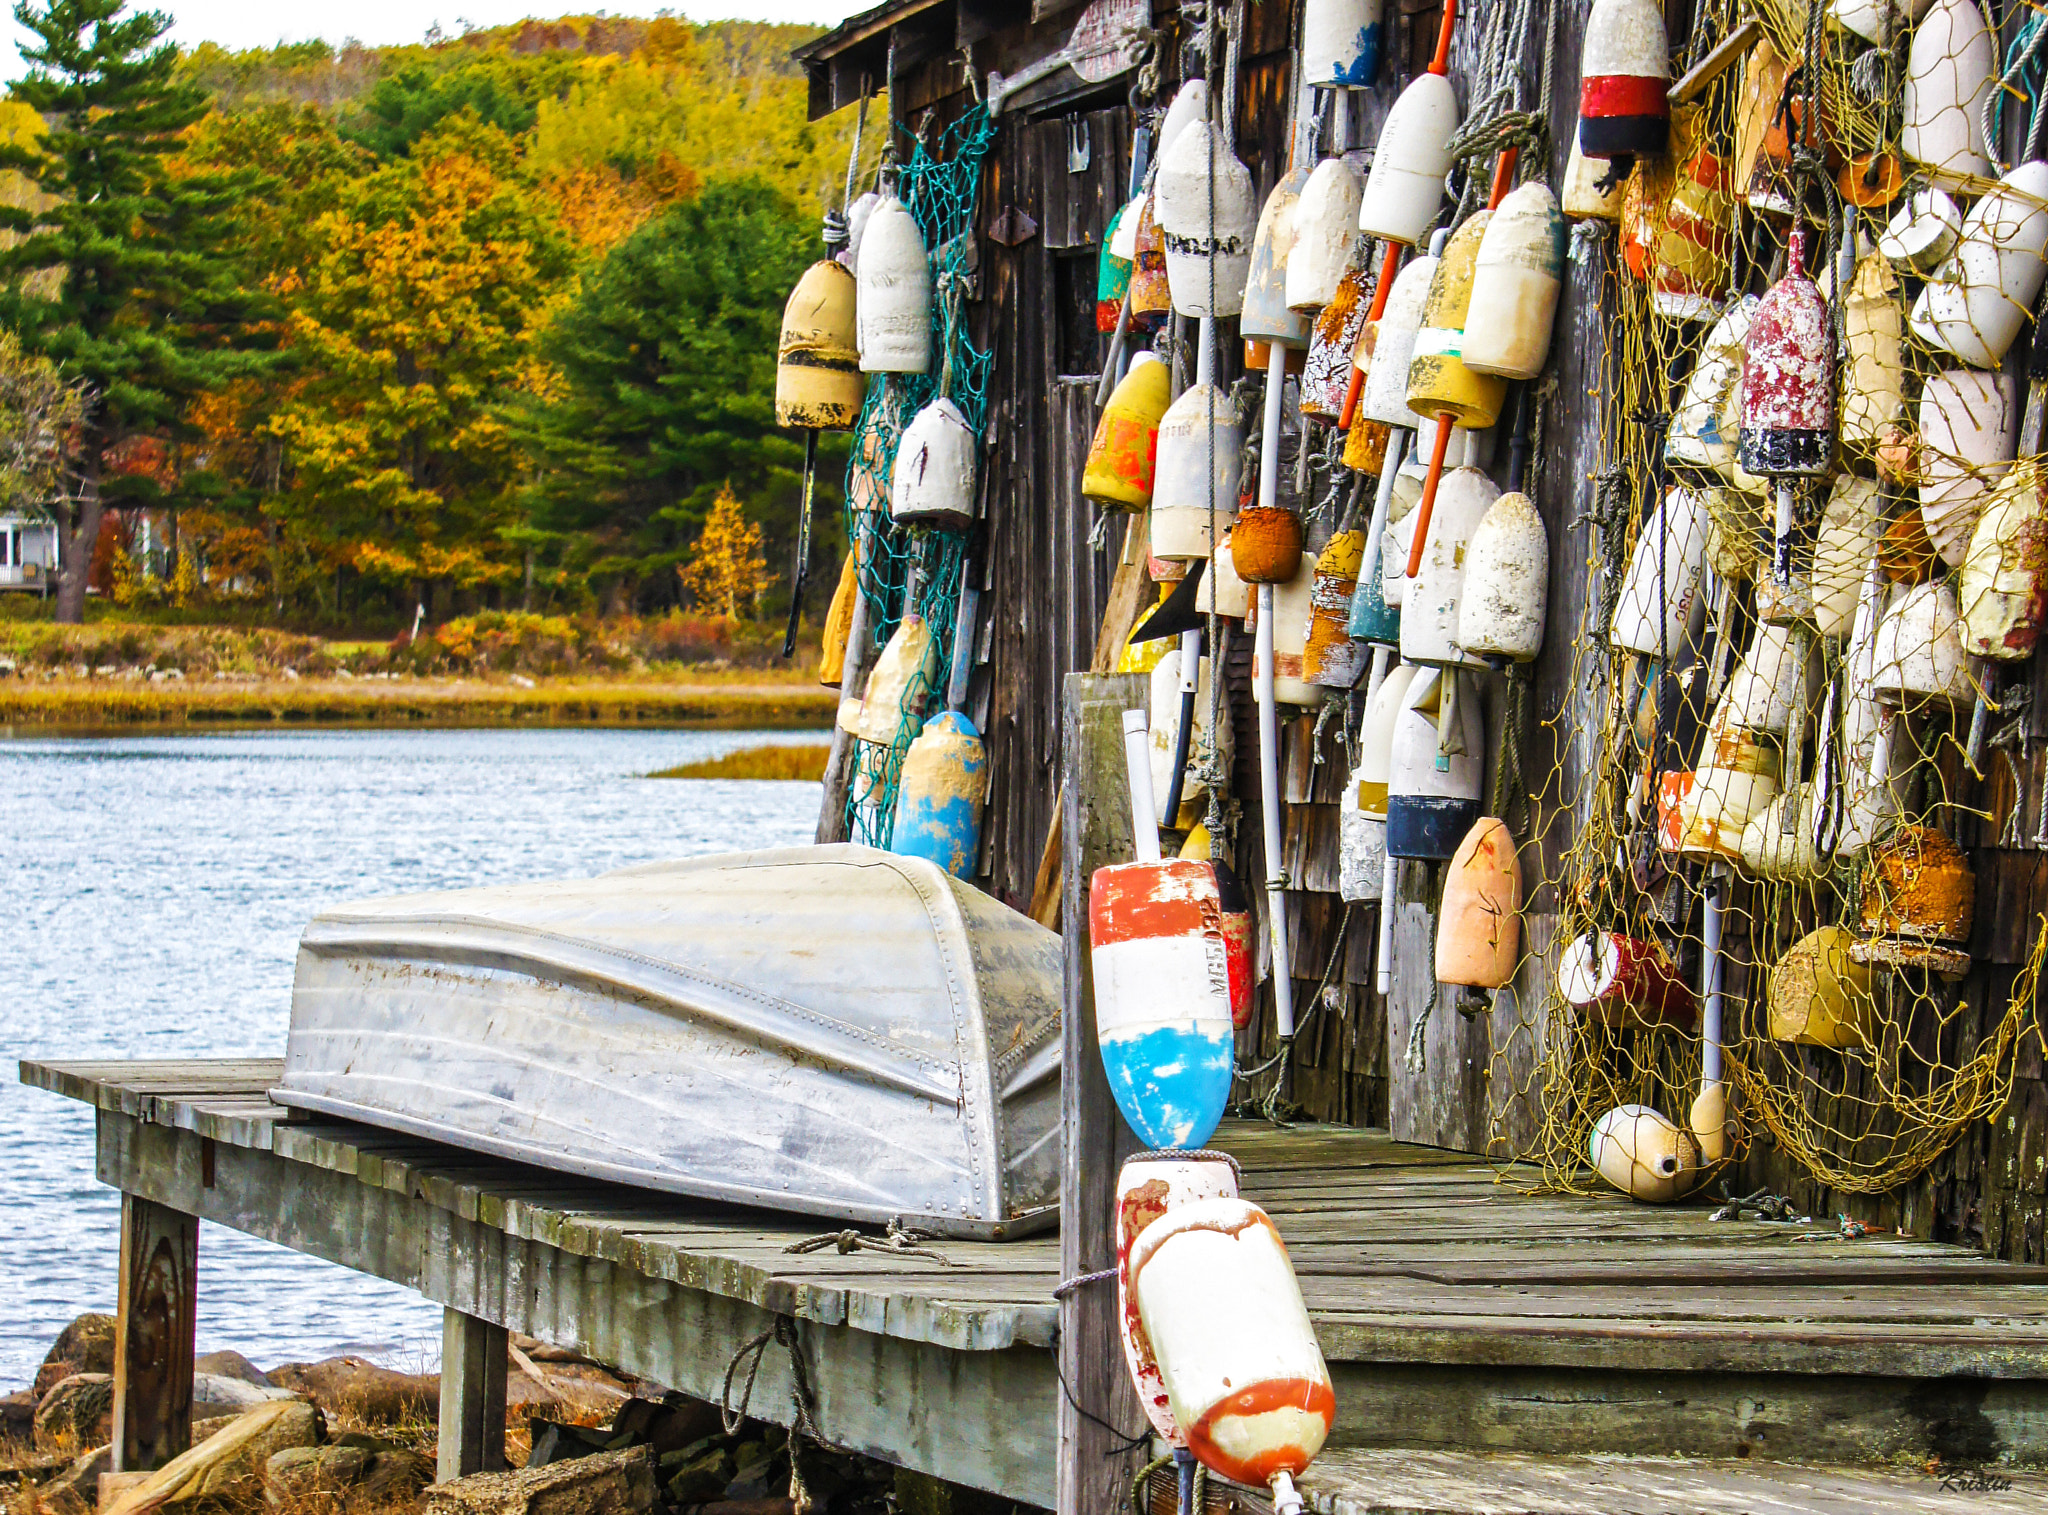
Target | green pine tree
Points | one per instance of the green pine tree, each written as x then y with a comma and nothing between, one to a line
127,279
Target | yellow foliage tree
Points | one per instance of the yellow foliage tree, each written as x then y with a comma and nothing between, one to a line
728,565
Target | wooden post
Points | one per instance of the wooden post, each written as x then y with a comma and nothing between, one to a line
472,1397
153,1335
1095,828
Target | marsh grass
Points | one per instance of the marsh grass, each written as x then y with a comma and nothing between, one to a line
783,761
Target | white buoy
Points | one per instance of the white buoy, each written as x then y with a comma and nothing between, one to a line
1362,818
1918,653
1701,431
894,303
1507,582
857,216
1969,429
1325,227
1340,43
1515,282
1769,681
1221,591
1873,20
2004,594
1922,231
1643,1154
1406,185
1436,766
1429,613
1292,603
1948,76
1205,747
1199,440
1874,380
1385,396
1244,1377
1624,80
1190,104
1266,316
1654,621
1146,1189
1978,300
934,477
1849,531
1202,201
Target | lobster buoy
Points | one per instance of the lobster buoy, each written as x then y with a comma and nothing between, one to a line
894,302
940,795
1208,746
1507,582
1147,1188
1405,185
1737,777
1162,969
1704,427
1244,1377
1385,396
1151,296
1948,76
1113,268
1265,544
1203,202
1190,104
904,674
1195,482
1373,620
1479,929
1788,404
1849,531
1266,316
1123,457
1919,903
1435,767
1874,383
1618,980
1969,430
1340,43
1592,191
818,382
1778,843
1291,605
1663,592
1974,307
1439,383
1675,235
1643,1154
1429,612
1918,654
1362,817
934,482
1326,376
1922,232
1325,226
1873,20
1769,682
1329,656
1624,81
839,624
1819,995
2004,593
1515,280
1222,592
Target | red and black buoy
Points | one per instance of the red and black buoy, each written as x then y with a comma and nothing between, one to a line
1624,81
1788,400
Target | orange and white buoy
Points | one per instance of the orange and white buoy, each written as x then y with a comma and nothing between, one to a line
1147,1188
1244,1376
1479,929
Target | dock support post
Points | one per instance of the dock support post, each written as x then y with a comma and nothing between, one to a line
472,1397
153,1335
1095,830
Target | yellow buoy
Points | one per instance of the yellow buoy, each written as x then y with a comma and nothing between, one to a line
818,382
1330,657
1820,995
1126,446
1439,383
903,678
838,626
1874,384
1515,280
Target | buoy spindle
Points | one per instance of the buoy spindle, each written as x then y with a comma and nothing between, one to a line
1138,764
1390,265
1428,501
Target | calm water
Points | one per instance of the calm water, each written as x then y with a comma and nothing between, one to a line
153,891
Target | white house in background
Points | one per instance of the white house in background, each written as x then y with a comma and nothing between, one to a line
28,552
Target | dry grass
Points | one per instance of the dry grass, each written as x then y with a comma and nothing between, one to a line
804,763
94,704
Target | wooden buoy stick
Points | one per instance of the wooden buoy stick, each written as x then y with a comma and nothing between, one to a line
1428,504
1710,975
1269,715
803,542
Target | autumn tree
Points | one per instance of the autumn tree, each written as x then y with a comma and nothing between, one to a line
147,308
39,416
727,565
413,316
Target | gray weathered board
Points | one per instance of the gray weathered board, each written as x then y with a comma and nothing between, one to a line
1456,1312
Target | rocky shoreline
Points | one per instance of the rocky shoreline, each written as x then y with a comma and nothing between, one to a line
344,1436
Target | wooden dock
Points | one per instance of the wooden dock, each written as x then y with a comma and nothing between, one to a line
1460,1316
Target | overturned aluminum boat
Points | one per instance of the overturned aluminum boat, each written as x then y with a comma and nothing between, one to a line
831,1030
